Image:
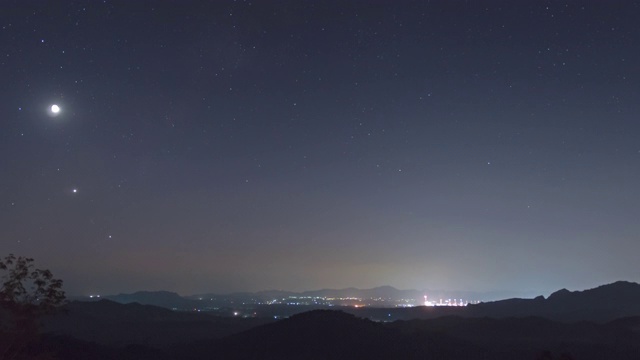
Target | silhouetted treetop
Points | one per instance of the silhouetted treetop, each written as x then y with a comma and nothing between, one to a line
26,289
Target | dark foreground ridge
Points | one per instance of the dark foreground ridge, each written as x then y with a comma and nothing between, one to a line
327,334
337,335
509,329
110,323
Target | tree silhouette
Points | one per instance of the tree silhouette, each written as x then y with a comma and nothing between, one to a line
26,294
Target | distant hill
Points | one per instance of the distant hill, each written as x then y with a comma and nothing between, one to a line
601,304
385,296
604,303
110,323
166,299
386,292
326,334
381,292
567,325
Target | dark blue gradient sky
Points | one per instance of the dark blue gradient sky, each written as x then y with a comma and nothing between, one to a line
231,145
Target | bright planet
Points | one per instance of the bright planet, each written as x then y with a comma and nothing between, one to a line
55,109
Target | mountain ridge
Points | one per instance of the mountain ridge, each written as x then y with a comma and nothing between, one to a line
602,303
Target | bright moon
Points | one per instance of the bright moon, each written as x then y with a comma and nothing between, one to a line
55,109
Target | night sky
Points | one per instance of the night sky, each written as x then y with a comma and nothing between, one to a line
231,145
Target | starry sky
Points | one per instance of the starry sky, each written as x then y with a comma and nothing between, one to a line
293,144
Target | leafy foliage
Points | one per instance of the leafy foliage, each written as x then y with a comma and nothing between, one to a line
26,293
26,290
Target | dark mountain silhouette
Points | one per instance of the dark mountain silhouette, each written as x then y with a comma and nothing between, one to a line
509,329
381,292
110,323
566,325
604,303
601,304
225,304
384,292
166,299
324,334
